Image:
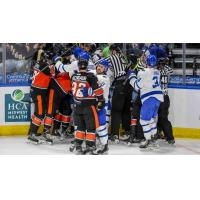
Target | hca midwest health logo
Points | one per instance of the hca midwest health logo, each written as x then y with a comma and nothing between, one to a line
16,109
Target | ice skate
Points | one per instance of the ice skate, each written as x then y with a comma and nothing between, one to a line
114,139
134,141
33,138
67,134
55,135
72,146
154,143
125,137
90,150
104,150
170,142
46,138
145,145
79,150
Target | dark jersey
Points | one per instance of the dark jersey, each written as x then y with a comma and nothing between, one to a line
164,78
85,89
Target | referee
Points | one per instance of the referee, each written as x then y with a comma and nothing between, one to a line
163,122
121,99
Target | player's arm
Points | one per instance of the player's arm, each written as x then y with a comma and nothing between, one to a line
98,91
93,81
64,68
136,82
168,70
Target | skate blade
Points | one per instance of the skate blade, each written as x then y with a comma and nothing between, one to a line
133,144
146,149
104,153
150,148
32,142
59,141
45,142
80,153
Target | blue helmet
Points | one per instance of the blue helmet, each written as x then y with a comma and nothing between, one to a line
157,51
151,60
105,63
161,53
76,51
84,56
83,60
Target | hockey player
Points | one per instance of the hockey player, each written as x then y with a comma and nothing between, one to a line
136,132
163,122
104,83
85,113
151,95
39,91
58,99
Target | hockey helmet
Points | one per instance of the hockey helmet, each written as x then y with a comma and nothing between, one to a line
83,60
76,51
105,63
115,47
151,60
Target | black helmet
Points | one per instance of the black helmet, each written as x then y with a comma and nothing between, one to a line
115,47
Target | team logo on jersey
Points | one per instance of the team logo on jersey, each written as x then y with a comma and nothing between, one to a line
16,109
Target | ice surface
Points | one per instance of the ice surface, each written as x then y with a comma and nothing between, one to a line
18,145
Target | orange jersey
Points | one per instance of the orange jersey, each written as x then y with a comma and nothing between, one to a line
40,79
63,80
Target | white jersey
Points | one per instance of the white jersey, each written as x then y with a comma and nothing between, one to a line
91,65
103,82
148,82
69,68
72,67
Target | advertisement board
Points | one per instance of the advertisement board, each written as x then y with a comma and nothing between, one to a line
15,110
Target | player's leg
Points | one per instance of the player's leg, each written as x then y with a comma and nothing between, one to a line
79,134
38,97
52,106
118,100
147,111
102,132
66,112
126,115
136,133
57,124
164,121
154,123
92,124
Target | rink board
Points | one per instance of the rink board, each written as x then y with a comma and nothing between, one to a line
23,130
185,116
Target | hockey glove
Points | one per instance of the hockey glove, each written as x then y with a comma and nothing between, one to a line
100,104
85,92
